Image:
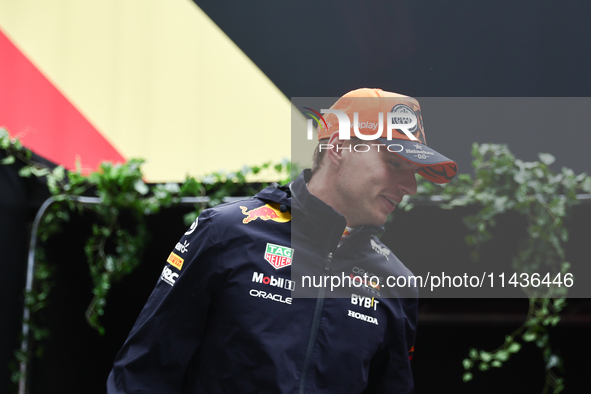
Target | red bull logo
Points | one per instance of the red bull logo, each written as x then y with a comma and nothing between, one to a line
266,212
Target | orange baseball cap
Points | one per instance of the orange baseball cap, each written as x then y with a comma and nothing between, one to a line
365,104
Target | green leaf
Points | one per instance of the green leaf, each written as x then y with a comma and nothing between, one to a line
39,172
542,342
529,336
514,347
4,138
172,188
467,377
7,160
59,172
26,171
467,363
553,361
141,187
485,356
502,355
408,207
16,144
559,303
546,158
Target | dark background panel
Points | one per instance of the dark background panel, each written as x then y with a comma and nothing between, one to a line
460,48
431,239
76,357
528,126
13,251
20,198
435,49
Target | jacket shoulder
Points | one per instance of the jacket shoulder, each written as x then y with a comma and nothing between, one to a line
397,266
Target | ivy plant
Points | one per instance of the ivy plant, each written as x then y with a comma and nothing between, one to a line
501,183
544,197
112,250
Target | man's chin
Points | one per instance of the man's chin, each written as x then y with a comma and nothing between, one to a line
378,221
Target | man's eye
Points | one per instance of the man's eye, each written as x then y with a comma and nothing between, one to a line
395,164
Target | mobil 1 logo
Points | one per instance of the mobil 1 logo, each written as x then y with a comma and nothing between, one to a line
272,281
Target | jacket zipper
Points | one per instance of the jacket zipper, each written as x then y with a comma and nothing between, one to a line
314,330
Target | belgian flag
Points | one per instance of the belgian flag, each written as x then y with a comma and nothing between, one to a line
115,79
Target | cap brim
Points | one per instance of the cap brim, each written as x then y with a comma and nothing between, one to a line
435,167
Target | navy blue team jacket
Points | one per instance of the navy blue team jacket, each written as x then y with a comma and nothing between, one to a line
225,315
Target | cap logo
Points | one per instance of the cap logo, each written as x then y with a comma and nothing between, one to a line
407,118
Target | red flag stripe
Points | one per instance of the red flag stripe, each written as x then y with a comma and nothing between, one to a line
32,108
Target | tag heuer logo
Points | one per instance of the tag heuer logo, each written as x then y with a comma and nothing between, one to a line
279,256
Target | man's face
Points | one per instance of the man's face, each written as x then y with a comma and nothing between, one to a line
370,184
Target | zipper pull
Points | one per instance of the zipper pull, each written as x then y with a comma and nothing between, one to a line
328,261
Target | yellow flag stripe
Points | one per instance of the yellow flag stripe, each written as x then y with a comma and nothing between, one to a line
158,79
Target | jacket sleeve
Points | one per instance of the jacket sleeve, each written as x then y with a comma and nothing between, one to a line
156,355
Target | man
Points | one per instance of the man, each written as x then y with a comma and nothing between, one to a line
241,307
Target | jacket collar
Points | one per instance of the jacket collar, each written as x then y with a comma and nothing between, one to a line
310,204
276,193
317,218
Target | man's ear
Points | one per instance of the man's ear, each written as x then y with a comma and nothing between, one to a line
334,147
